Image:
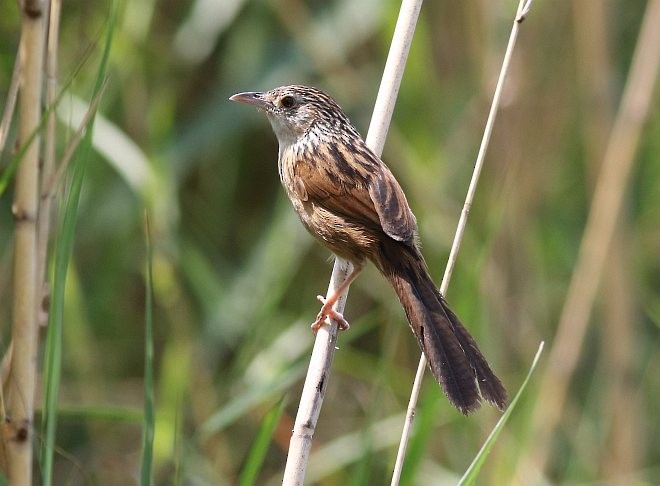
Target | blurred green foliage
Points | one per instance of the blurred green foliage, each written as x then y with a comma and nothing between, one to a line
235,274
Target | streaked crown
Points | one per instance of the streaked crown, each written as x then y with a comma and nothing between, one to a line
296,112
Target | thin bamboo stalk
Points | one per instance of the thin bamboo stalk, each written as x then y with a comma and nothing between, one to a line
18,431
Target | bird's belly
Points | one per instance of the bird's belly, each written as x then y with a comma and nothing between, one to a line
345,239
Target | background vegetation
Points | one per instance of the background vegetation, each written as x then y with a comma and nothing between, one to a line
235,274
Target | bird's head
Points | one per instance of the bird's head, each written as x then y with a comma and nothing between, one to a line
296,112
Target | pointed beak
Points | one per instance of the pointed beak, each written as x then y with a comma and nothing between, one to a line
250,98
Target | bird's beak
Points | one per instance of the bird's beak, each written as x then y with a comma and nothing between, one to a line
250,98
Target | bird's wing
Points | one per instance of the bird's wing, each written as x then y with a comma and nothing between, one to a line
364,191
396,218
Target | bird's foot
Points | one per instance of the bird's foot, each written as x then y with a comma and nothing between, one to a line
328,311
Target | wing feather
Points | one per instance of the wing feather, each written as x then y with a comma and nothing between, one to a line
364,191
396,218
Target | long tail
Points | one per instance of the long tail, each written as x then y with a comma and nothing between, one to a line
452,353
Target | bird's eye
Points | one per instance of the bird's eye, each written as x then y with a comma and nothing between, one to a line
287,101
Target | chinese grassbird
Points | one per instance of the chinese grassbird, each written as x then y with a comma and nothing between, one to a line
349,200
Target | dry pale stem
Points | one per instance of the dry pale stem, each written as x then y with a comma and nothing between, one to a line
319,368
601,223
18,422
316,383
621,454
521,13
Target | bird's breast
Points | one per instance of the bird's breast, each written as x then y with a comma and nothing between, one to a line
293,186
341,235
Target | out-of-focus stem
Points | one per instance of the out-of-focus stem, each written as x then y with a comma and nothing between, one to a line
46,196
592,257
18,426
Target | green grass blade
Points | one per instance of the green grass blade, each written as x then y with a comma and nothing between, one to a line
260,445
472,472
149,419
63,250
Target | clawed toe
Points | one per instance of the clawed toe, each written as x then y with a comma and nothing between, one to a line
328,311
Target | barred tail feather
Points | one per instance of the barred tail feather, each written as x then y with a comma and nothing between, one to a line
452,353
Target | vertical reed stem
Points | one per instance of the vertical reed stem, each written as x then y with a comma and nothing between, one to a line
20,403
319,367
46,194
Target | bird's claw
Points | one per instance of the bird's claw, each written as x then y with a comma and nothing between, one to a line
328,311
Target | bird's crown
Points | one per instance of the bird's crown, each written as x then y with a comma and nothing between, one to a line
296,111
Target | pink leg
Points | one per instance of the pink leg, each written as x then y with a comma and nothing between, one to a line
328,304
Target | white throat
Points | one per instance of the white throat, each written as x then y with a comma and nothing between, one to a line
291,139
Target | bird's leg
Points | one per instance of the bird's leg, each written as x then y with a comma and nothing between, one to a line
328,304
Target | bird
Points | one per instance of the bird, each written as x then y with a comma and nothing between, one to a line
350,201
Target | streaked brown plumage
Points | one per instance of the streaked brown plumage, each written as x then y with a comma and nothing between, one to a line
350,201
